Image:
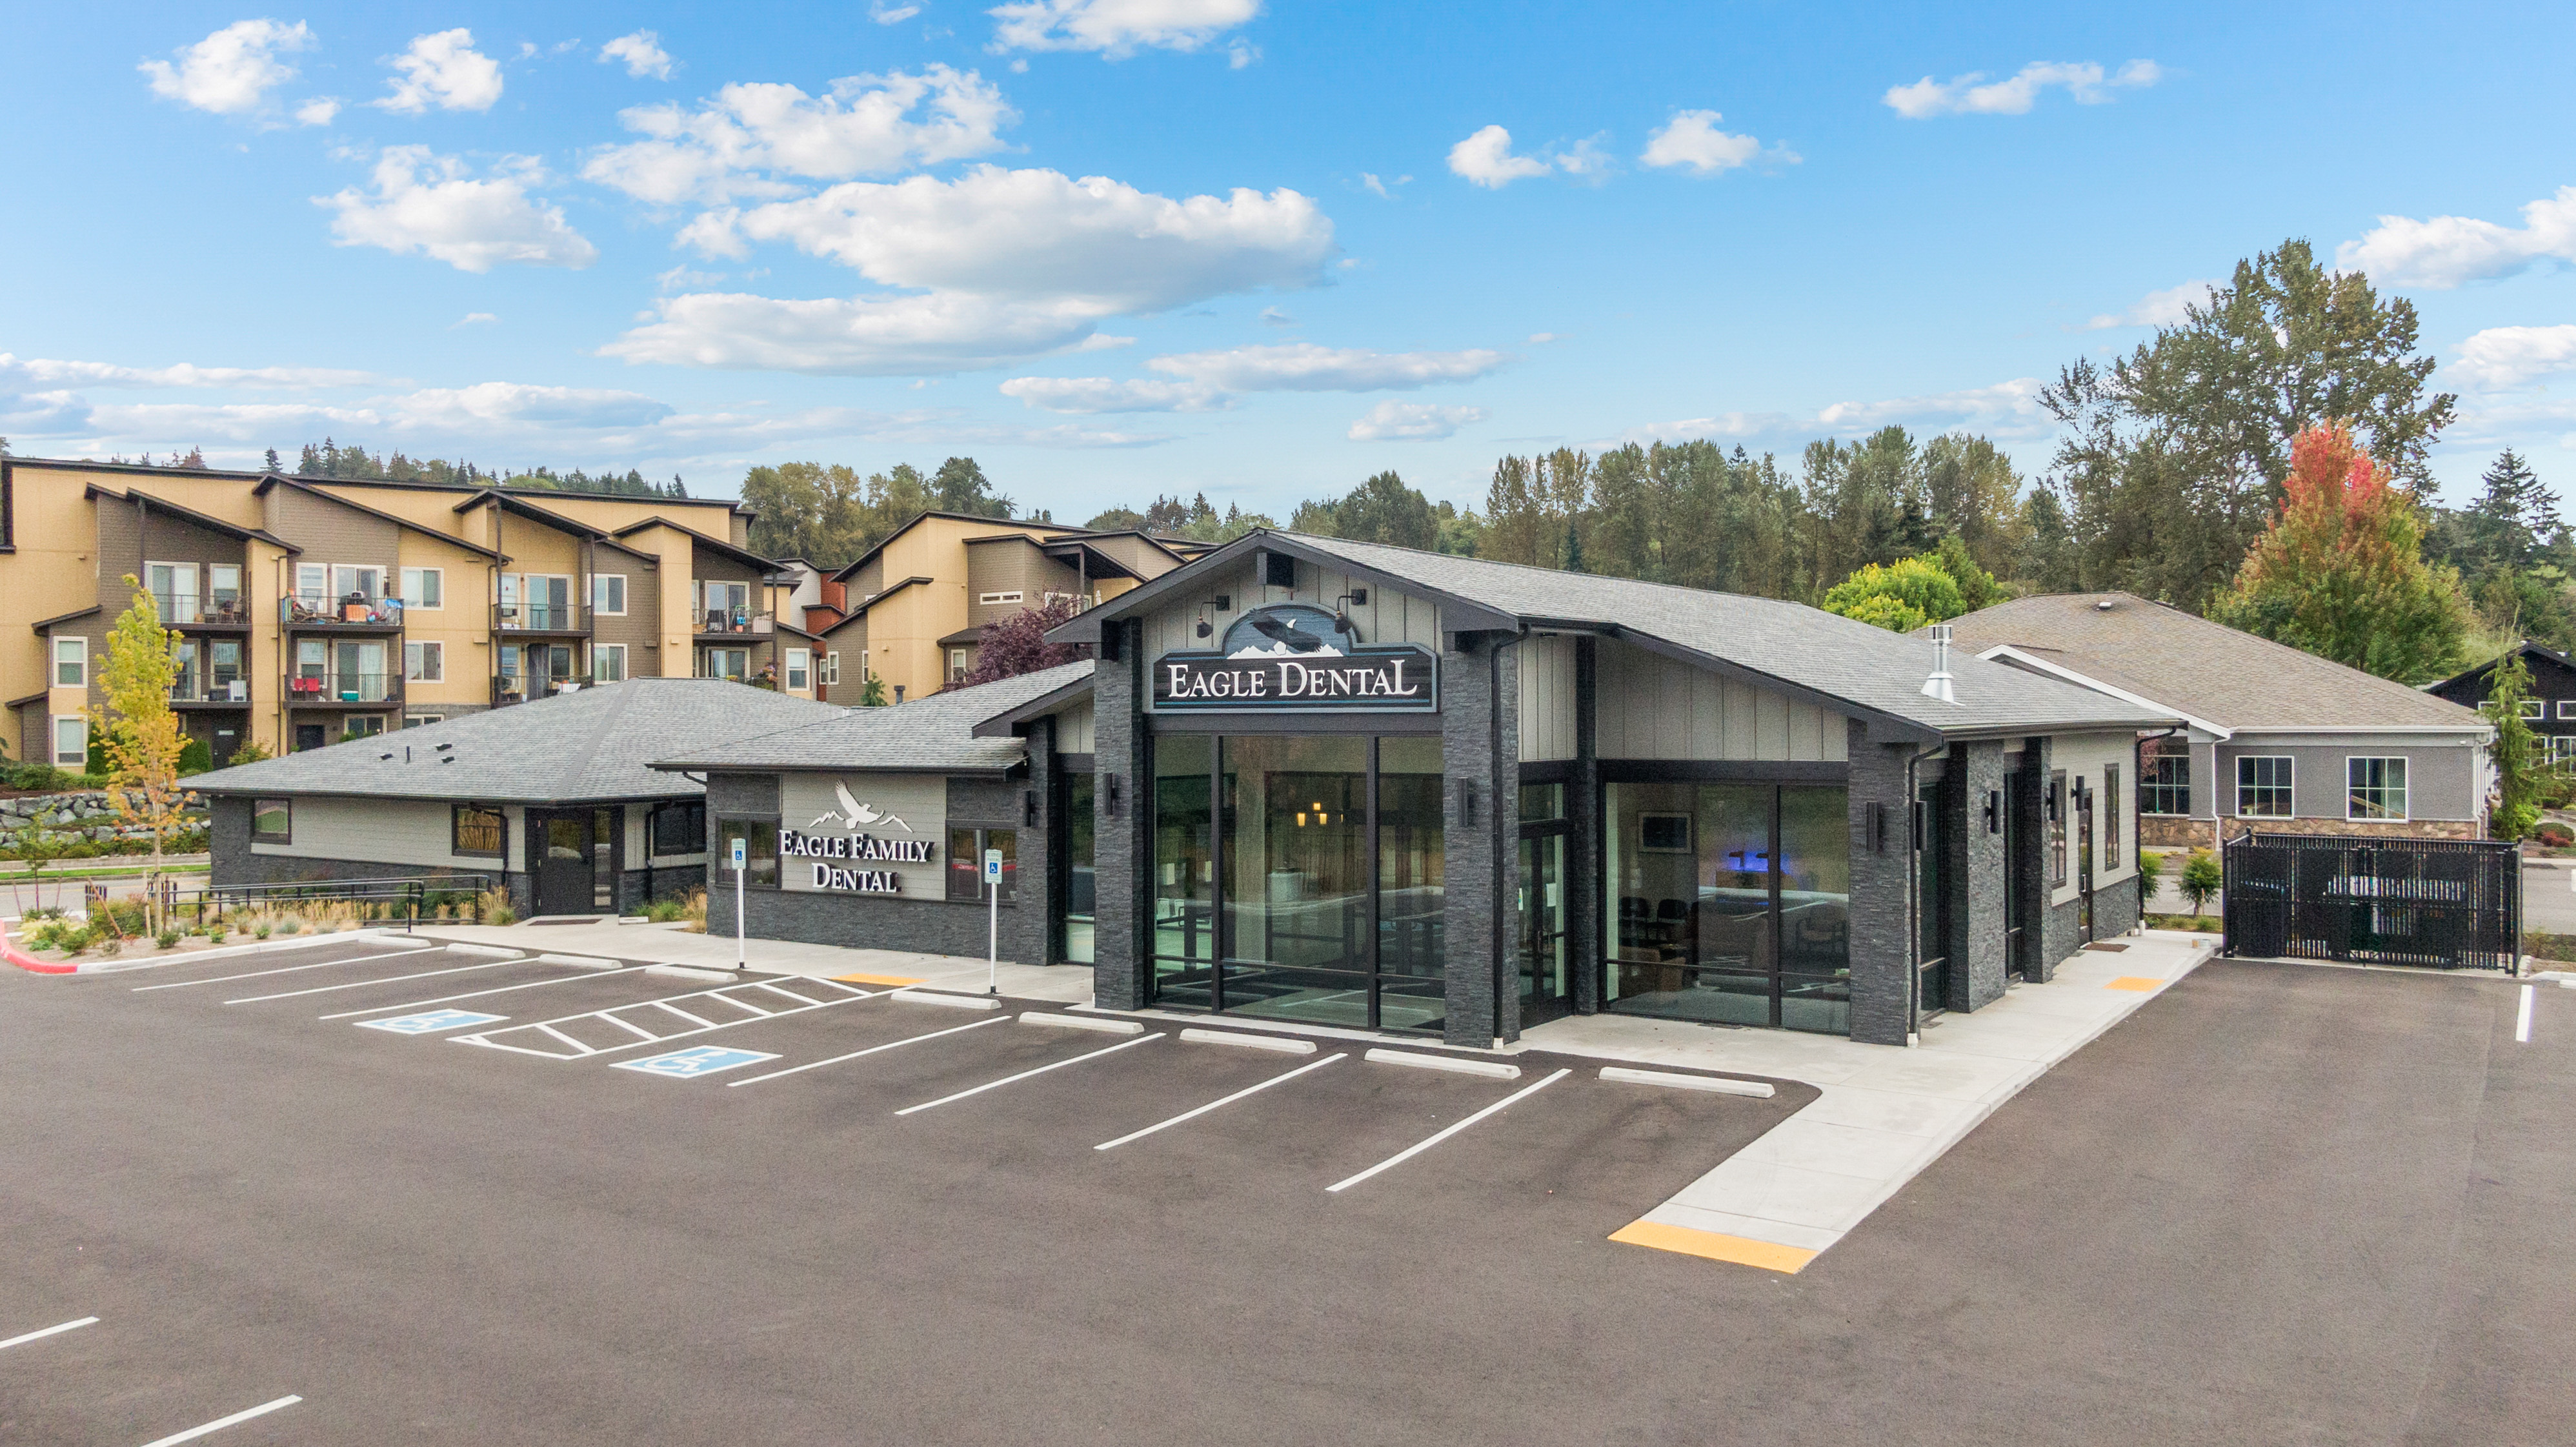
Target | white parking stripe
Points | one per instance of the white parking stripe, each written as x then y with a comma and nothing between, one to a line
286,970
1409,1152
685,1015
871,1050
2522,1016
362,984
220,1423
614,1014
48,1331
747,1005
638,1031
496,990
577,1045
1025,1074
1214,1104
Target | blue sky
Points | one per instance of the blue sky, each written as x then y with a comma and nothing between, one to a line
1259,248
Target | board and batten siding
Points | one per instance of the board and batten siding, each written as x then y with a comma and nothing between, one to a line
2089,757
1547,698
1073,729
1387,617
412,832
1648,706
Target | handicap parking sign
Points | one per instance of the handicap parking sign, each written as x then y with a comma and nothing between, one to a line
430,1023
688,1064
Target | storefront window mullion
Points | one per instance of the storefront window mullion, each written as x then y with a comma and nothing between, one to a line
1374,944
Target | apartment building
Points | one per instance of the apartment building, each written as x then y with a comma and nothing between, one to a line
913,609
314,609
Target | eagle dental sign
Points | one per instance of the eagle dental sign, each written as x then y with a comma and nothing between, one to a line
839,861
1294,657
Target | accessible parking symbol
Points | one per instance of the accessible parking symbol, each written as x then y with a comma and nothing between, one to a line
431,1022
689,1064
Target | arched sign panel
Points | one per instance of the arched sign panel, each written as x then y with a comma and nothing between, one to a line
1292,658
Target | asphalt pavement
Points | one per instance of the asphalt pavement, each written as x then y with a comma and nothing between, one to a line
2280,1204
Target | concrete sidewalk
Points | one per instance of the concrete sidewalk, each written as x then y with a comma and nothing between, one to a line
1885,1114
670,944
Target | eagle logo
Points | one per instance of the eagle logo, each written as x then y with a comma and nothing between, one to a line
854,814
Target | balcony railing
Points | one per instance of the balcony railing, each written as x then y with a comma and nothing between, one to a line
510,688
186,610
540,618
356,610
190,687
728,622
336,689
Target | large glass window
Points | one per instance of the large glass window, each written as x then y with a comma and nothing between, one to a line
2378,788
760,853
1080,894
477,832
2263,786
1184,923
1728,902
272,821
966,863
2165,787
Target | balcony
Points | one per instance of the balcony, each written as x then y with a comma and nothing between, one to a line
718,624
355,613
185,610
510,688
335,689
194,690
559,620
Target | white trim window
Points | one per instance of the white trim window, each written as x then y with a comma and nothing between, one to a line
2263,786
348,578
416,720
990,600
71,741
608,594
608,663
2375,788
2165,788
2533,710
832,668
71,663
173,587
425,662
800,669
424,588
2567,708
2562,753
312,584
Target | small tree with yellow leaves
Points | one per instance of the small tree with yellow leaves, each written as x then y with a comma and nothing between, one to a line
140,734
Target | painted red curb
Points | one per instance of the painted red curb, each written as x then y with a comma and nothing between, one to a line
28,962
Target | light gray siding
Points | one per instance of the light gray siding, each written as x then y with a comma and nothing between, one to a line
1073,733
1653,707
2442,781
390,831
1387,617
1547,698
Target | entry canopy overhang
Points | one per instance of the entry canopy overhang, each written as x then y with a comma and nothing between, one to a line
1851,668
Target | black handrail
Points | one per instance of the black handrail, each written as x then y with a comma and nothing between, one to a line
411,893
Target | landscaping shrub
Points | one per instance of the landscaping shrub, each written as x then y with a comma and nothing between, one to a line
168,939
497,908
2555,834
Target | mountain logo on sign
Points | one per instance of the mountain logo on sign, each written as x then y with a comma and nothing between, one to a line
854,815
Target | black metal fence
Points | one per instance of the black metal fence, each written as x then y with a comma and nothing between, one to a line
375,900
2451,904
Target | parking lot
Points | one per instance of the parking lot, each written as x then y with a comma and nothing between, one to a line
2282,1204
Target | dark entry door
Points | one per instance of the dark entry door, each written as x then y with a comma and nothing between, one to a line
564,869
308,736
1931,912
2016,888
1544,993
2084,864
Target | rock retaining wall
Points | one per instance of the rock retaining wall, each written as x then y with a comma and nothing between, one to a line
86,815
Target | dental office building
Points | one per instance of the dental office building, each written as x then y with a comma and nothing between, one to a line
1336,783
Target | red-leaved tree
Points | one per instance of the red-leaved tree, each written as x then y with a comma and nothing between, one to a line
2341,571
1018,645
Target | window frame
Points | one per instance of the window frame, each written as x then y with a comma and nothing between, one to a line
357,579
799,672
2567,708
995,600
2287,787
2058,825
598,603
966,885
284,808
424,660
424,588
456,824
69,758
2152,786
692,809
2533,710
831,670
2352,792
422,720
602,650
80,646
193,573
720,861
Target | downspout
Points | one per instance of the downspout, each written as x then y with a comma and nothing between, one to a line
1914,903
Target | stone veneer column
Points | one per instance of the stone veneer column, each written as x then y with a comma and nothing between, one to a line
1882,971
1472,916
1121,840
1028,933
1976,884
2030,827
1585,948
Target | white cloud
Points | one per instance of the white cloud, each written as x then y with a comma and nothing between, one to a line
474,319
1547,336
2448,250
46,372
1307,367
643,54
319,111
1101,394
1973,94
1277,317
446,71
1486,159
1693,141
2167,308
2503,357
855,336
885,14
1118,28
1412,422
737,144
1382,187
1241,53
2006,409
232,70
429,204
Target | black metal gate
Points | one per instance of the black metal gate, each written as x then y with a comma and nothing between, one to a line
2451,904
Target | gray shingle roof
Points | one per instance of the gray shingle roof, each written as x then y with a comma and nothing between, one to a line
929,735
1877,670
2213,672
592,746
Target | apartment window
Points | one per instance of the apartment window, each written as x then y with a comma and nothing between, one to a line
831,668
2111,817
312,584
2533,709
961,661
2165,788
733,663
425,662
760,850
608,594
71,742
424,587
367,583
224,681
990,599
71,663
608,663
2562,752
2375,788
223,593
419,720
2263,787
2567,708
366,726
800,668
272,821
2057,828
478,832
966,862
174,590
680,829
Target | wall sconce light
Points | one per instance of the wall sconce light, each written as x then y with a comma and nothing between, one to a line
1109,795
1029,808
1878,828
1467,803
1221,602
1994,811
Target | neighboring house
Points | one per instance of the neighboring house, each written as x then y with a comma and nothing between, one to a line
312,609
554,799
2550,710
2275,739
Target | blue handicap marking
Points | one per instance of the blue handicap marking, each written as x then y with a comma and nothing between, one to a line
688,1064
431,1022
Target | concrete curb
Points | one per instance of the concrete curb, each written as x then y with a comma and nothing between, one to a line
1080,1022
1490,1069
110,967
1717,1084
1283,1044
954,1002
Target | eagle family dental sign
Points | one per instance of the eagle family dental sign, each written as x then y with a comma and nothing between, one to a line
839,859
1292,657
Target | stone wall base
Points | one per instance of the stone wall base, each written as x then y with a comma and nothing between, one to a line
2165,831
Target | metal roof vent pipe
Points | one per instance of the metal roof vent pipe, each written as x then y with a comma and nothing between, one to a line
1938,685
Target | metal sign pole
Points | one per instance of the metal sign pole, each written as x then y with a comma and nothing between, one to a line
739,860
993,892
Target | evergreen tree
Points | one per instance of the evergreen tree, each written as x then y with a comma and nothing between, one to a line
271,464
2516,750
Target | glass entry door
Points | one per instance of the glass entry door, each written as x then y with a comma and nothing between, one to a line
1542,915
